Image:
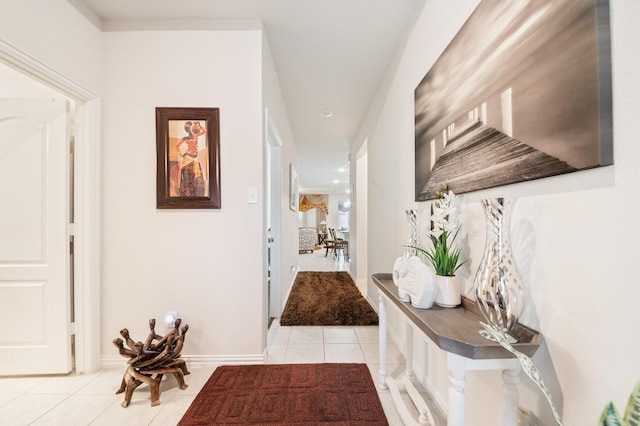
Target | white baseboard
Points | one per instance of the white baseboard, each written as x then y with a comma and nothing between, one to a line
111,361
422,377
284,301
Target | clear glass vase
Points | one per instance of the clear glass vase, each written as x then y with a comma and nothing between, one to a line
412,234
497,283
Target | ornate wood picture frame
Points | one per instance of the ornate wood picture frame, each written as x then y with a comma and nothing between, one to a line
188,158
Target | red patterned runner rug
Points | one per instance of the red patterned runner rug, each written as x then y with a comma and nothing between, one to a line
288,394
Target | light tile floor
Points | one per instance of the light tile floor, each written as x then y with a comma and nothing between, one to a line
320,260
89,399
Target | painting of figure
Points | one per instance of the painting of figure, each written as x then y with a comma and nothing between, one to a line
188,158
189,175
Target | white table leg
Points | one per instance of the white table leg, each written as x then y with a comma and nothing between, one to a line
457,368
511,378
382,330
408,353
456,398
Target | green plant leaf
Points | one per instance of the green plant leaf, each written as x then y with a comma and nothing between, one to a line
527,366
632,413
445,260
610,416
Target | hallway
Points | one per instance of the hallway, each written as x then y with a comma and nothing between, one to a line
89,399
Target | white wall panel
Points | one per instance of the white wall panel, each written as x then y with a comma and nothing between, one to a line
205,264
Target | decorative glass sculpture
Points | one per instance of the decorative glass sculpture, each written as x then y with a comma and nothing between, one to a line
497,283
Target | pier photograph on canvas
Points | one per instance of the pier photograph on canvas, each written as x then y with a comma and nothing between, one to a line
522,92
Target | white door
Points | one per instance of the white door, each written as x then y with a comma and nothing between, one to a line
35,291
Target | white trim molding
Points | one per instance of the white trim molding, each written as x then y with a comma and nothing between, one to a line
34,68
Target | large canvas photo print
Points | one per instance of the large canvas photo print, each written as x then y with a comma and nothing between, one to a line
522,92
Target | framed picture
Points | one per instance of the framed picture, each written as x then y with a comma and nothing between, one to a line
188,158
522,92
293,188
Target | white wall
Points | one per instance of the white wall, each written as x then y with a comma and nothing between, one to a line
575,237
307,219
332,216
205,264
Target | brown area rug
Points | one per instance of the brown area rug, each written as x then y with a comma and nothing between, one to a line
326,298
288,394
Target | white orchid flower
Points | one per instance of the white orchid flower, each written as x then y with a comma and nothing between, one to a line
436,233
439,214
450,227
442,232
449,197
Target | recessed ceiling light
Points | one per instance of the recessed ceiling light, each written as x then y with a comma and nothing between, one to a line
326,114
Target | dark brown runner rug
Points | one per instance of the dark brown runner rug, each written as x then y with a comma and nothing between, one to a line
326,298
288,394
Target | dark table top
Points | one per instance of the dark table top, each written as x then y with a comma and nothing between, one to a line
456,330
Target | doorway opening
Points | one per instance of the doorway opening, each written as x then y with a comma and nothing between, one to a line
82,189
361,219
36,258
273,210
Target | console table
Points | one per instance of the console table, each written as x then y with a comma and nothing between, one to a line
454,330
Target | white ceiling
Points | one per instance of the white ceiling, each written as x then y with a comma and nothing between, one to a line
329,55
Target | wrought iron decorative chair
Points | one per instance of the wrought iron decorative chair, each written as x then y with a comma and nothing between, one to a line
336,244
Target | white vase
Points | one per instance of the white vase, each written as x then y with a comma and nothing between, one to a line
448,291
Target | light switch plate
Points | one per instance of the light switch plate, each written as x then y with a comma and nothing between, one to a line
252,195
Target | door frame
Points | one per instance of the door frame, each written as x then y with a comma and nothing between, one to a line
86,228
273,210
360,195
